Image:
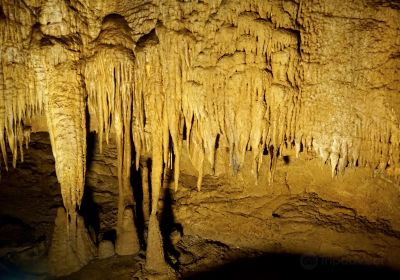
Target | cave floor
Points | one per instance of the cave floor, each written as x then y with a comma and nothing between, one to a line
205,259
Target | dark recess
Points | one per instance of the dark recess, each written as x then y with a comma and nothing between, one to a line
291,266
2,15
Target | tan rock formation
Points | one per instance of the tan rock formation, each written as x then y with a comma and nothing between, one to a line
164,77
70,250
106,249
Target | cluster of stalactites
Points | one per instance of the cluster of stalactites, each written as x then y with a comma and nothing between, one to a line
23,78
371,147
234,103
238,86
23,98
19,100
109,84
357,123
17,96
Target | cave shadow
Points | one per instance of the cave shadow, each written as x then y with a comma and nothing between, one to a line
290,266
9,271
90,212
286,159
137,189
90,148
168,226
15,232
166,216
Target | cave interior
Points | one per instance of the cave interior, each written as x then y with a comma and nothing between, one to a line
199,139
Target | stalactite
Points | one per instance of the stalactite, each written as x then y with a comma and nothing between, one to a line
66,113
2,118
18,101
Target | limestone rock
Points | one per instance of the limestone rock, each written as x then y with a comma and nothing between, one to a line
127,242
170,78
155,256
106,249
69,252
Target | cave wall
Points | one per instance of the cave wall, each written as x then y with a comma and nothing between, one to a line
350,74
352,219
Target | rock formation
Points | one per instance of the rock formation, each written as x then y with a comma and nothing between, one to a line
168,79
68,253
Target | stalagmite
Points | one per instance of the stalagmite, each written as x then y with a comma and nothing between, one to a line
106,249
69,252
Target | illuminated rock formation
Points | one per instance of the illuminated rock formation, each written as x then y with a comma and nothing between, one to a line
168,77
71,250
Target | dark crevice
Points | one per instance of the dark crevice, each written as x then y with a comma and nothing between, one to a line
184,131
137,189
292,266
115,18
90,212
217,142
169,227
286,159
150,38
2,15
45,41
110,235
298,36
218,244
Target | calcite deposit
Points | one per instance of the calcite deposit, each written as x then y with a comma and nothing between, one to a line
173,84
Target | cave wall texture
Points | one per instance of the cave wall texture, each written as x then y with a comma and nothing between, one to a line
220,88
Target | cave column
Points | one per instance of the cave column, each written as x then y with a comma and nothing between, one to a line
155,260
155,252
71,246
127,242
